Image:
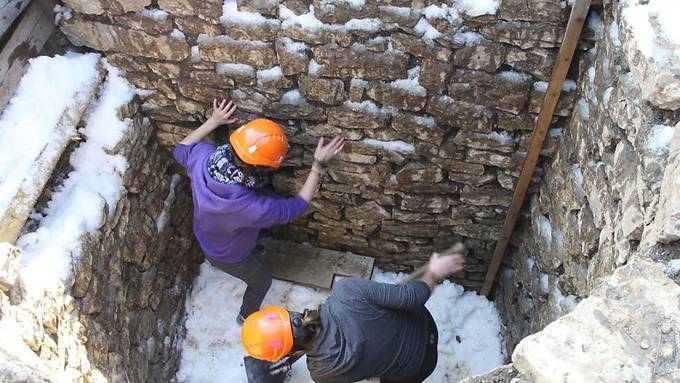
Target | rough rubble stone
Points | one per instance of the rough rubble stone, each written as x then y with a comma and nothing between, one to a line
193,26
227,50
326,91
434,75
486,57
106,37
548,11
146,24
9,266
506,91
613,335
353,63
348,117
367,213
538,62
98,7
423,128
461,114
206,9
525,35
419,172
397,97
291,62
419,47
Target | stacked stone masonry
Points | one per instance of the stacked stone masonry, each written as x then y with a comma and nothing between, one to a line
119,316
610,190
437,105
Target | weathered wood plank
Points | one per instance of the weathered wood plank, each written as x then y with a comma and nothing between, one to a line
9,11
26,40
579,12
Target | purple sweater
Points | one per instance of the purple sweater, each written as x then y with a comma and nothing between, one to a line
228,218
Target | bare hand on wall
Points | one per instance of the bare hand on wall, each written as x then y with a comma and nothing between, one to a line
325,153
222,112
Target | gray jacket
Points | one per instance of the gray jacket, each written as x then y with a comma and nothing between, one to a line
370,329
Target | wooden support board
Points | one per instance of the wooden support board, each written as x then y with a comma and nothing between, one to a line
579,12
23,41
9,11
313,266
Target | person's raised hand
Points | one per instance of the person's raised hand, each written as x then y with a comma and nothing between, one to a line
441,266
222,112
325,153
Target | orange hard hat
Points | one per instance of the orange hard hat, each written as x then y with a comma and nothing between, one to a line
267,334
260,142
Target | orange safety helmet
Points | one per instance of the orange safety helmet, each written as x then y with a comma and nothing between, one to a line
260,142
267,334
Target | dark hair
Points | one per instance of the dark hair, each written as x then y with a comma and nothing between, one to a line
311,324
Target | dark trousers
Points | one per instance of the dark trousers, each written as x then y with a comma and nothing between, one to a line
430,361
253,271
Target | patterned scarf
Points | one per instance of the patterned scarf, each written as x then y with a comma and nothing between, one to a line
223,166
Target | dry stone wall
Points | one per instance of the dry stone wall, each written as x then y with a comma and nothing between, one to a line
119,317
610,191
437,103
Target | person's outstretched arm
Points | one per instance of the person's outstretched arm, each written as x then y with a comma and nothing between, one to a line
441,266
221,115
322,155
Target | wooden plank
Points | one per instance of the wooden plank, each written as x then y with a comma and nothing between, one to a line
25,41
312,266
579,12
9,11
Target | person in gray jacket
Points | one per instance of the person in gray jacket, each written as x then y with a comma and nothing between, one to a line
364,329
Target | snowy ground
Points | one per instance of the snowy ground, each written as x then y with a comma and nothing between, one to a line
469,328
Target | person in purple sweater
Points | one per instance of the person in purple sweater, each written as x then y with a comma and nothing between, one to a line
230,208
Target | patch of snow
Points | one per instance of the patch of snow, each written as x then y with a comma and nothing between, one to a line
555,133
366,25
425,30
607,94
359,83
95,182
235,69
162,218
476,8
62,12
232,16
659,139
530,264
393,146
595,24
314,67
398,11
292,97
154,14
544,281
654,27
468,38
195,54
50,86
564,305
293,46
411,84
544,229
271,74
614,34
443,11
583,109
306,22
591,74
513,76
364,106
569,85
673,268
470,339
144,93
427,121
178,35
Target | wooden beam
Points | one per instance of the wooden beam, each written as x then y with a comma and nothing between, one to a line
26,40
9,11
579,12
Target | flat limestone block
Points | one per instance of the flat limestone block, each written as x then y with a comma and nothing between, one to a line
313,266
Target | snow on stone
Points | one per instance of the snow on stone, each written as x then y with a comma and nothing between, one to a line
162,218
654,27
314,67
614,34
468,38
393,146
232,16
306,22
607,94
195,54
583,110
397,11
51,85
569,85
595,24
365,106
76,205
513,76
659,139
470,340
178,35
477,7
427,121
293,46
270,74
564,305
503,138
443,11
673,268
155,14
359,83
62,12
426,31
235,69
366,25
292,97
411,84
